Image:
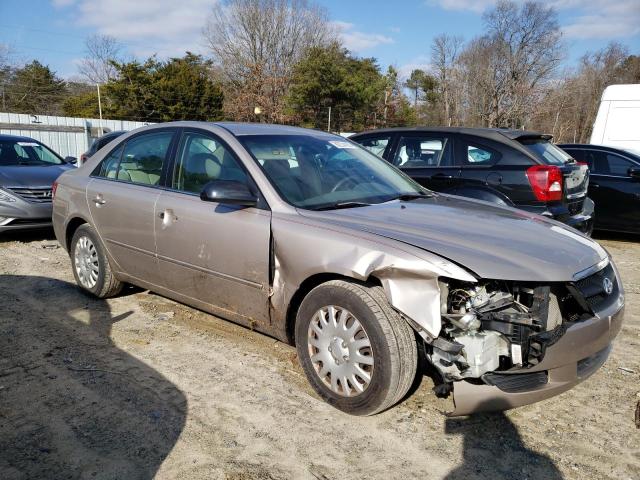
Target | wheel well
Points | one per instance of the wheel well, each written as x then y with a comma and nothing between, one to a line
72,226
305,287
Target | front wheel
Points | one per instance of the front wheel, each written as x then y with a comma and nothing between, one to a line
91,268
357,352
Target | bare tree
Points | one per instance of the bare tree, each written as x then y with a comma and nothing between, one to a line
569,106
444,57
501,76
256,44
100,52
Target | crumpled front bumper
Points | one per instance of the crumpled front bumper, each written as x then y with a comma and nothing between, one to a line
580,352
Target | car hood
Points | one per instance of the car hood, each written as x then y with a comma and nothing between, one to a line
29,176
491,241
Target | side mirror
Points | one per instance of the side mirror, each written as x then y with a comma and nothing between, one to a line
228,192
72,160
634,173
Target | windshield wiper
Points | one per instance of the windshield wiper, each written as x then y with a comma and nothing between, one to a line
339,205
405,197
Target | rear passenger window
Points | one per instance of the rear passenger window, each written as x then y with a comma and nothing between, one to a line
419,152
143,158
476,154
201,159
481,156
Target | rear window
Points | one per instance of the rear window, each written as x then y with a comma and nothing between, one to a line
546,151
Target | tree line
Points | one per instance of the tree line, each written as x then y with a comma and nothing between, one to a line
281,61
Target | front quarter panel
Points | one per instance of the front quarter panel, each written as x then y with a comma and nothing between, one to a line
304,247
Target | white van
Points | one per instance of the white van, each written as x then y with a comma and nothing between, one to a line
618,120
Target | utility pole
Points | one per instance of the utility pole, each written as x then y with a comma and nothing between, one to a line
4,106
100,109
386,97
329,122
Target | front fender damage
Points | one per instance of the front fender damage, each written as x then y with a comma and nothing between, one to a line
410,283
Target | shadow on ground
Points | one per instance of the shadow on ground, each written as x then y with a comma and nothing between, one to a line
617,236
72,404
493,450
27,235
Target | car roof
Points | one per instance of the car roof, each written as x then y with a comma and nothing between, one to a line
593,146
17,138
239,129
114,133
491,133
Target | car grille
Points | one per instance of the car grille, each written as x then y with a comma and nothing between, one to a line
37,195
575,207
592,289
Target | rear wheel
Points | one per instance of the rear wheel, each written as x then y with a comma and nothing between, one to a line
91,268
357,352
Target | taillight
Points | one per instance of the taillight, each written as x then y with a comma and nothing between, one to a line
54,187
546,182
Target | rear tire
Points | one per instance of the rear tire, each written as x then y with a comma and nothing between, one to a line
357,352
90,265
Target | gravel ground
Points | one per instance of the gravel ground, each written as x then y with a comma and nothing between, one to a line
141,387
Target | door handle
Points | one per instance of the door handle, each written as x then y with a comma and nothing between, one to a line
442,175
98,200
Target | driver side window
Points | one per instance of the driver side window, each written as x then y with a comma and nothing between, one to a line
201,159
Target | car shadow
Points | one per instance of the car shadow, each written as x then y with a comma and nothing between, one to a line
73,404
492,449
32,235
616,236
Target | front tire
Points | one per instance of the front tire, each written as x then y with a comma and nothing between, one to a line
357,352
90,266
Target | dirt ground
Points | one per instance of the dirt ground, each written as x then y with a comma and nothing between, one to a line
142,387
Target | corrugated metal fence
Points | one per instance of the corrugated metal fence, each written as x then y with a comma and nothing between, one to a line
69,136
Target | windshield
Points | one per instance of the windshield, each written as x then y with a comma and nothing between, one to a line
319,172
546,151
26,153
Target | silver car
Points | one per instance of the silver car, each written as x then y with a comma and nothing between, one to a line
307,237
28,169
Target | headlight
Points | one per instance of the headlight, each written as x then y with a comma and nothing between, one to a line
5,197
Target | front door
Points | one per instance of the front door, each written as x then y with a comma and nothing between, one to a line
616,195
210,252
122,197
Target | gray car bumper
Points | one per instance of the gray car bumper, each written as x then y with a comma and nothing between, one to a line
21,214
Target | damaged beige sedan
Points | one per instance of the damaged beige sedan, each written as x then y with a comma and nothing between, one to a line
309,238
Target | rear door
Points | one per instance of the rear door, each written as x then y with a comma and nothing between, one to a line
122,196
485,171
213,253
428,159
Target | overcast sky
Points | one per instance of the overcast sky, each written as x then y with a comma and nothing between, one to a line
396,32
